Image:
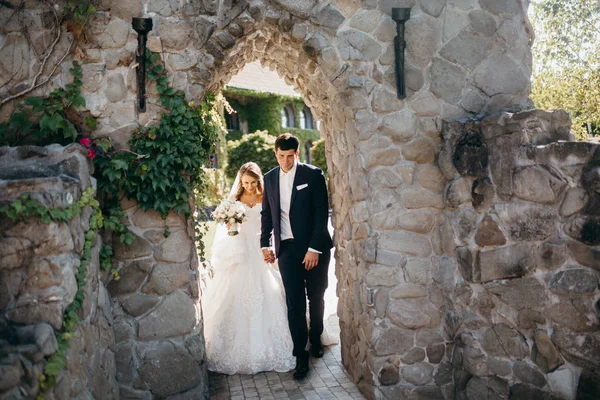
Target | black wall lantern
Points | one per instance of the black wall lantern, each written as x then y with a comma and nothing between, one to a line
142,26
400,15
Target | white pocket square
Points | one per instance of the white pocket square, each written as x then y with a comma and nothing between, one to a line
300,187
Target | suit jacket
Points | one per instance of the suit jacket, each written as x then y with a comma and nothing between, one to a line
309,209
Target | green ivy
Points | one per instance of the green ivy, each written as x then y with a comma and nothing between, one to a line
164,167
262,110
51,119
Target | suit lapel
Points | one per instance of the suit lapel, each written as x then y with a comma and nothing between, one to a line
296,181
277,195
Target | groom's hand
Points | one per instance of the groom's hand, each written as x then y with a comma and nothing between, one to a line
311,259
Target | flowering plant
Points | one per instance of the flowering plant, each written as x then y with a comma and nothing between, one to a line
230,212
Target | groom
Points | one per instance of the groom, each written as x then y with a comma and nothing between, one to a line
295,209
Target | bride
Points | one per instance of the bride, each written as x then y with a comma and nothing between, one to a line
245,316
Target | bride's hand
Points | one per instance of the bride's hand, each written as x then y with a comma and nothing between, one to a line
228,225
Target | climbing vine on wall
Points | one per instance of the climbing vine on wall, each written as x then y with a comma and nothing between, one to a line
262,110
56,118
163,167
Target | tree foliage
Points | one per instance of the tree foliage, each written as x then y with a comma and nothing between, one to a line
567,65
318,155
257,147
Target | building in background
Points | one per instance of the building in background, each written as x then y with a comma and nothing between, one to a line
263,101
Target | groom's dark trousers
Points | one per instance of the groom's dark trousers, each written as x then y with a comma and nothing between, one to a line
295,279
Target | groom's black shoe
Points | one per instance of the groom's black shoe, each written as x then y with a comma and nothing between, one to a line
301,369
316,350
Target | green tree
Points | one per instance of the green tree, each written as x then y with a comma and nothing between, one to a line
257,147
566,70
318,155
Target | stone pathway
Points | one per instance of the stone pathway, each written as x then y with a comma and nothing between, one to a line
327,378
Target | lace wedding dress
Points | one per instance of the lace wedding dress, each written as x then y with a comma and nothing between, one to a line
245,316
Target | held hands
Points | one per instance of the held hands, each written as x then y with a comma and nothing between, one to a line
269,255
311,259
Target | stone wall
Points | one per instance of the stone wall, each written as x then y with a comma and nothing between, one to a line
38,263
521,234
158,328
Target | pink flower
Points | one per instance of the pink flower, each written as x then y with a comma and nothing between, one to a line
86,142
91,153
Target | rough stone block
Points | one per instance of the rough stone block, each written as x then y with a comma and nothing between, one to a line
574,313
355,45
414,355
585,255
544,353
526,221
418,374
394,340
423,38
489,234
574,280
175,316
405,242
564,383
467,48
169,369
502,340
520,293
413,313
529,374
389,375
132,275
176,248
139,304
506,262
447,80
538,184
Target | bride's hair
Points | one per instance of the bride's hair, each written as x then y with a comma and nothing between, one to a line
253,170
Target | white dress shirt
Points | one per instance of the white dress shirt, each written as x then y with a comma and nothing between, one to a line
286,185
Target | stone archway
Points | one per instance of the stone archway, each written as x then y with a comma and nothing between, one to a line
466,250
386,188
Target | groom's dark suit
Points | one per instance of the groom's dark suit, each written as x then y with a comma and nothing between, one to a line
308,215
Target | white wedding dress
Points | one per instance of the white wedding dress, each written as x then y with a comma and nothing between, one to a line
245,314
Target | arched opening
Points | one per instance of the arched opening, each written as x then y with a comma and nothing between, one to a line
311,83
306,119
287,117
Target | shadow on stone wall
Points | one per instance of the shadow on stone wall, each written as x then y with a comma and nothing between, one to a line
521,233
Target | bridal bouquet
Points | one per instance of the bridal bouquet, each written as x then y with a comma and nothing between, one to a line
230,212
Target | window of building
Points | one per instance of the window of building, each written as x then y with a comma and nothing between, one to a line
287,117
232,121
306,119
307,146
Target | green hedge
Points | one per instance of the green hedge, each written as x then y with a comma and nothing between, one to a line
234,135
257,147
318,155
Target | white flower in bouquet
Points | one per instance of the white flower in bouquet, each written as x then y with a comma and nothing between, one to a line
230,212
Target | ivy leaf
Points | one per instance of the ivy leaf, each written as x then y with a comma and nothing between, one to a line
92,123
35,102
119,164
78,101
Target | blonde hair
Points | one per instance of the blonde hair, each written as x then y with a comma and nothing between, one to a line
252,169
